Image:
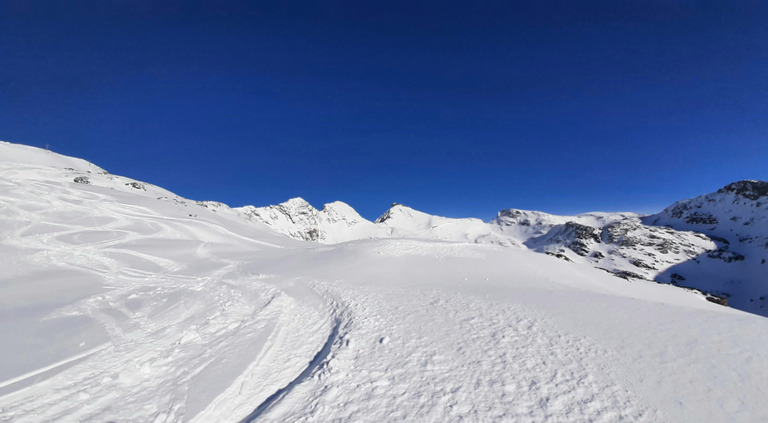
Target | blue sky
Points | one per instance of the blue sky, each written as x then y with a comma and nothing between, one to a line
453,108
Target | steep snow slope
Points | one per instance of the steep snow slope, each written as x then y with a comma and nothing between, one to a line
129,304
736,218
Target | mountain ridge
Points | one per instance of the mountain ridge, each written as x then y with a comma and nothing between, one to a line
716,242
629,245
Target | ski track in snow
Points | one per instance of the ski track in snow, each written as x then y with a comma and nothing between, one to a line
185,337
506,366
168,316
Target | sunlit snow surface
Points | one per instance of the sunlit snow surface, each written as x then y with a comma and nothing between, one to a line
121,302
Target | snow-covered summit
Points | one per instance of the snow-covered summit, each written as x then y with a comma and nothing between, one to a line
402,221
738,209
750,189
26,156
296,218
338,211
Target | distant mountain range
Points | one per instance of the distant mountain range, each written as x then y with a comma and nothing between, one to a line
716,243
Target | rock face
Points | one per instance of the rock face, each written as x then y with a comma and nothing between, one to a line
736,219
625,247
574,236
749,189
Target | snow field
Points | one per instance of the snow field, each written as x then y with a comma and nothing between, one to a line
132,304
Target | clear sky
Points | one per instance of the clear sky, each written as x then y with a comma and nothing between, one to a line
453,108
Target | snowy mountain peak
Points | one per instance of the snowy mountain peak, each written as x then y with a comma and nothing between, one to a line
338,211
399,211
298,204
296,218
32,156
737,208
750,189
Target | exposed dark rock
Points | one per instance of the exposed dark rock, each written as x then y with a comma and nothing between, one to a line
582,236
384,217
82,180
697,218
676,277
558,255
513,216
579,247
624,274
616,233
751,190
725,255
717,300
136,185
639,263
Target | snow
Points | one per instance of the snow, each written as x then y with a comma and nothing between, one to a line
736,219
336,222
132,304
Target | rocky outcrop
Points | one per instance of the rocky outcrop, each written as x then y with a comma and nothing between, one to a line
736,219
624,247
749,189
574,236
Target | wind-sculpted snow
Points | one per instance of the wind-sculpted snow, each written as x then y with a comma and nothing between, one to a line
121,301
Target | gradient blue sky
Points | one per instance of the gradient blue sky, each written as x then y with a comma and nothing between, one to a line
453,108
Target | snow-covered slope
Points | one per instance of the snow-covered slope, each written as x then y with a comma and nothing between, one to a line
616,242
404,222
120,303
736,219
336,222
